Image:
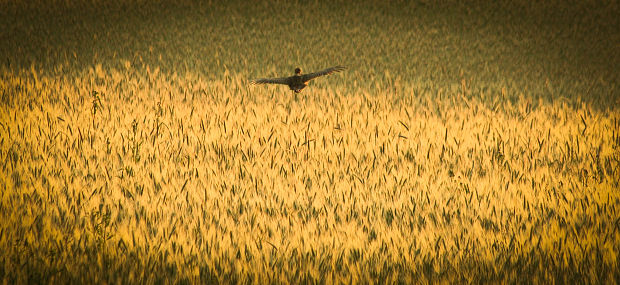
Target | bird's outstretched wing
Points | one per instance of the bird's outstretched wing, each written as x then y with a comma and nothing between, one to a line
313,75
282,80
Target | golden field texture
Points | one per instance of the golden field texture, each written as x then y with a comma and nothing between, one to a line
148,169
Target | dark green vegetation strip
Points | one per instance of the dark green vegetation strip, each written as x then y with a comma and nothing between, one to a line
548,49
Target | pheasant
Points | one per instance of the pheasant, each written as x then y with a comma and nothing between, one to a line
298,81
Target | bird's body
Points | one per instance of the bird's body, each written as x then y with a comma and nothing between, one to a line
298,81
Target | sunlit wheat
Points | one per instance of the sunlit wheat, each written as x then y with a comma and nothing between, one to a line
130,172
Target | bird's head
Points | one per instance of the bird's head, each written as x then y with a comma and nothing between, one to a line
298,70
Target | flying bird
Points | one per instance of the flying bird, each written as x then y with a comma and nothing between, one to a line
298,81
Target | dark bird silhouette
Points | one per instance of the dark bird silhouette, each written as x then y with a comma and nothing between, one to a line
298,81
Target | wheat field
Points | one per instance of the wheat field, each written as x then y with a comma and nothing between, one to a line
458,147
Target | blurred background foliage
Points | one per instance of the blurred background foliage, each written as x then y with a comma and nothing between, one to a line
543,49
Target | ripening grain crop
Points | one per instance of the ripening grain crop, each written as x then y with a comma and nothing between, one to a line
136,151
